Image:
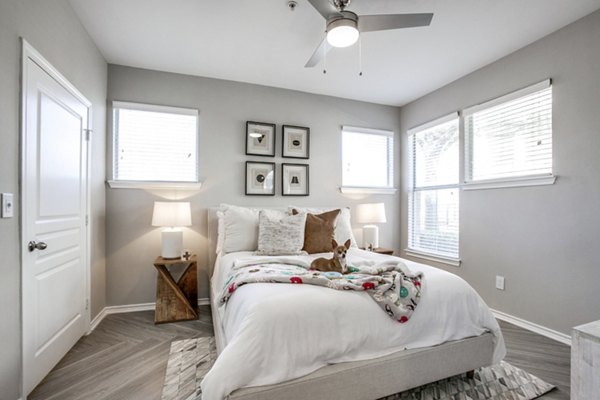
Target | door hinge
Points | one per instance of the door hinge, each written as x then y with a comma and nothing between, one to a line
88,133
87,304
87,220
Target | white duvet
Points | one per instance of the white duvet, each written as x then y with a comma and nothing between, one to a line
271,333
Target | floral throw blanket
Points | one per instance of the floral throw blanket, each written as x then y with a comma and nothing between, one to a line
392,286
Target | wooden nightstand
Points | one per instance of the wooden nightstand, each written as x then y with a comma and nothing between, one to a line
381,250
176,301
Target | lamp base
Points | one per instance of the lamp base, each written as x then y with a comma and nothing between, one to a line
172,243
370,236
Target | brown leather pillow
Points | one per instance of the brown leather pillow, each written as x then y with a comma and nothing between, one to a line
318,231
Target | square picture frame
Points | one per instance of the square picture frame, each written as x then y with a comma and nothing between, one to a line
295,180
260,139
296,141
260,178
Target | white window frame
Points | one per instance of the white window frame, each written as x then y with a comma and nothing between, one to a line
454,261
516,181
133,184
389,188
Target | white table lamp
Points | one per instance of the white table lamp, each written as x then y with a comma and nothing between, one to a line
370,214
172,216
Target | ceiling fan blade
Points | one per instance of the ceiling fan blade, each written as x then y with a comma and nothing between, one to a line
370,23
318,54
324,7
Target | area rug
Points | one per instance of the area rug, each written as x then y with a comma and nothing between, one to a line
191,359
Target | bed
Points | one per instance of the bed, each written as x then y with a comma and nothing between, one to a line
307,342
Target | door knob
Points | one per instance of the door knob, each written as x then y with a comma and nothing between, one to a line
36,245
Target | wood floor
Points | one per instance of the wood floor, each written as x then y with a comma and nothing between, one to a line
545,358
125,358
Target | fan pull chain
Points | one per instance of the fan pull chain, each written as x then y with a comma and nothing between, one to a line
360,55
325,55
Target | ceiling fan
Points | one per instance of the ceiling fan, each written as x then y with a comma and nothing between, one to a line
344,27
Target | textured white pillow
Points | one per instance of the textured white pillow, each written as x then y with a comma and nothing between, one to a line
343,226
240,228
280,235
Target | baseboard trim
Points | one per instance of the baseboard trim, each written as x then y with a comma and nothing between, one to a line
130,308
533,327
204,302
97,319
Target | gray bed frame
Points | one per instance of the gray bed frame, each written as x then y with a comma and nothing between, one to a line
369,379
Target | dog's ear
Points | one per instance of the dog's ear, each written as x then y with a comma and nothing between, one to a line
347,244
334,244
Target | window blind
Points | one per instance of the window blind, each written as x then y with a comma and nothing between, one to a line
367,158
155,143
433,222
511,136
433,214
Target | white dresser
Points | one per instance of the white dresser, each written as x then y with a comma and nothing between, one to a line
585,362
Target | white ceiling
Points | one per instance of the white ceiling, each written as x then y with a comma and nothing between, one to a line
263,42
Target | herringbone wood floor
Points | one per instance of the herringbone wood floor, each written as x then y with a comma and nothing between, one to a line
545,358
124,358
126,355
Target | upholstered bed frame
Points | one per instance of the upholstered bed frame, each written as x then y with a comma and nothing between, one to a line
369,379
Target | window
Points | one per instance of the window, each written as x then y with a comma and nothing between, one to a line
154,143
367,158
507,142
434,189
510,137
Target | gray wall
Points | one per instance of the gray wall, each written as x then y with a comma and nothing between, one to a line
53,29
544,240
132,244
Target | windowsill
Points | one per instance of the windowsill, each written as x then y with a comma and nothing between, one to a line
154,185
355,190
511,182
455,262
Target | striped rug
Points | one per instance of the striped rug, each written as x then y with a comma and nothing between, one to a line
191,359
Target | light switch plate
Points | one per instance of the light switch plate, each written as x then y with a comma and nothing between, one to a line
499,282
7,205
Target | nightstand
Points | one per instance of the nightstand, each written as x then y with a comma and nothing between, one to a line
381,250
176,301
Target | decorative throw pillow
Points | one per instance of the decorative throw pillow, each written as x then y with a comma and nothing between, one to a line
318,232
280,236
240,228
343,226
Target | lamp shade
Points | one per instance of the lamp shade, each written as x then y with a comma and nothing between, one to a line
370,213
172,214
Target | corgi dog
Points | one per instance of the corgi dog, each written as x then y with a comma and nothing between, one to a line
337,263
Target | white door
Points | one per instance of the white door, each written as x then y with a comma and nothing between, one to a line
54,209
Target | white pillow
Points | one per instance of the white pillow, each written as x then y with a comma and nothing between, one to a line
220,231
343,226
280,235
240,228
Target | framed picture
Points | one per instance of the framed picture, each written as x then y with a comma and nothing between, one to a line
260,139
294,179
296,141
260,178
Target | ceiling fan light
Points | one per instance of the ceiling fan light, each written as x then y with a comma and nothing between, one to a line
342,33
